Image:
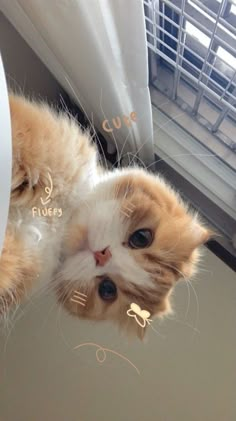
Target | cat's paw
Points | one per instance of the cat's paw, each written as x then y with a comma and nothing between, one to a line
28,185
19,266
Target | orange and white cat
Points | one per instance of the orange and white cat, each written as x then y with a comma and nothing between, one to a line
122,236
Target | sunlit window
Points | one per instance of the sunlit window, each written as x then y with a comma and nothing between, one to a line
227,57
233,9
196,33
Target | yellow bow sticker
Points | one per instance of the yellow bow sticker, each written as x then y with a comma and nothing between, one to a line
141,316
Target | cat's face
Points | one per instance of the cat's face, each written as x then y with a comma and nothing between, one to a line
129,243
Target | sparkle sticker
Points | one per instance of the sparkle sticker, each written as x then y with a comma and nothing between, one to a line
79,298
128,210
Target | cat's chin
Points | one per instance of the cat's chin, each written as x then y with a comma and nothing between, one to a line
125,324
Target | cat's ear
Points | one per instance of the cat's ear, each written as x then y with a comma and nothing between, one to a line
141,332
199,234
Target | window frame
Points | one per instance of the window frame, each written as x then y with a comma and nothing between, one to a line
218,209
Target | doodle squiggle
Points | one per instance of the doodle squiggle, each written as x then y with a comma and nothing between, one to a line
47,190
101,353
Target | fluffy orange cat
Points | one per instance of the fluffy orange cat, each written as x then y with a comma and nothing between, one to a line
119,237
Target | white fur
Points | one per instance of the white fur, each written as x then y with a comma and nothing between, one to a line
99,211
102,216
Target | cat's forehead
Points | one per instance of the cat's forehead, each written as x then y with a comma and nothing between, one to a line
156,205
146,198
132,182
135,199
142,187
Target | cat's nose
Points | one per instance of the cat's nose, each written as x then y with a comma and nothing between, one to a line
102,257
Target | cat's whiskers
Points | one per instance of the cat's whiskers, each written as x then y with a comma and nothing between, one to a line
202,269
9,302
97,140
179,155
130,131
135,156
13,325
156,331
130,207
17,88
63,298
3,307
188,284
49,287
105,117
166,159
197,302
189,300
158,129
168,252
124,144
67,111
84,201
116,195
182,322
13,316
121,152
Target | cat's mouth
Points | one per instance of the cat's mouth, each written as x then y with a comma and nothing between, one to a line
10,299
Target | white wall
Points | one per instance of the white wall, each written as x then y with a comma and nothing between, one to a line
185,374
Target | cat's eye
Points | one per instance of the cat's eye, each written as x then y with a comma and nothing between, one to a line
107,290
140,239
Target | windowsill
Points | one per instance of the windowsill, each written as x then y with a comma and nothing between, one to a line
208,184
212,143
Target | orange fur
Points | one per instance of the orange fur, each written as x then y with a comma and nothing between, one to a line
174,253
48,142
45,141
18,268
